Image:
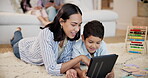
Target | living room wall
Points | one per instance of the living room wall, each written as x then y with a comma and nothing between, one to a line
126,9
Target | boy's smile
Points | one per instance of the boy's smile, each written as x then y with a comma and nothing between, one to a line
92,43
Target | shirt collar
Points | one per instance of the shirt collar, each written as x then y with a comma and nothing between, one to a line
86,51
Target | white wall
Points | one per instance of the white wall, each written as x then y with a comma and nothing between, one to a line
126,9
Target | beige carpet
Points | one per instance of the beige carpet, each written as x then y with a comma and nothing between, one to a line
125,58
11,67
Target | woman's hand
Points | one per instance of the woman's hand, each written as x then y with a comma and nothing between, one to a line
71,73
110,75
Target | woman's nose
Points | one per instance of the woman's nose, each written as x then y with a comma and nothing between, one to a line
77,28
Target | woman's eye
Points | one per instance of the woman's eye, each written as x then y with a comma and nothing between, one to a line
73,25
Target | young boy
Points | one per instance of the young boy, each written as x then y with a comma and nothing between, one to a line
92,43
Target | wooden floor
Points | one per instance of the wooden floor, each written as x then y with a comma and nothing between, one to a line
120,37
5,48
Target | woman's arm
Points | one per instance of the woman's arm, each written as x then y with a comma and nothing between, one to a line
73,62
49,56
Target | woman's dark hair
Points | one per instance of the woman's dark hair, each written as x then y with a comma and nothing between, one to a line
94,28
24,4
65,12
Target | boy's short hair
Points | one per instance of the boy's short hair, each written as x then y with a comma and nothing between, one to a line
94,28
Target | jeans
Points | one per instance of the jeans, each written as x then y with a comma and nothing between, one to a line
14,43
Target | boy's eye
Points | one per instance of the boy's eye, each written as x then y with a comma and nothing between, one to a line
90,42
98,42
80,25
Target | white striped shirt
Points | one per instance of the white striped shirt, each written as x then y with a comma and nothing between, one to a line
44,50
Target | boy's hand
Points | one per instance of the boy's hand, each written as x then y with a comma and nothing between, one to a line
71,73
85,59
83,75
110,75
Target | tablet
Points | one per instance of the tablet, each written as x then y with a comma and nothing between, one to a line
100,66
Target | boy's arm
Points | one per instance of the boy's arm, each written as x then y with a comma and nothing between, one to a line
81,73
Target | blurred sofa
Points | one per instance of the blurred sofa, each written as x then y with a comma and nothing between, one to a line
11,16
91,10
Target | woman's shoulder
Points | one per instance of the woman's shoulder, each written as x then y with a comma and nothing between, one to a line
46,31
46,34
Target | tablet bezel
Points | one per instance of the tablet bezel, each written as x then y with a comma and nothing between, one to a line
100,66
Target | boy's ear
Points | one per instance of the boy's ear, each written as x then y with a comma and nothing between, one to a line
82,37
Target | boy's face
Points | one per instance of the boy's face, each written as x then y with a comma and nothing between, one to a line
92,43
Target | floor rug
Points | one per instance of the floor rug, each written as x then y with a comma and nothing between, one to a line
11,67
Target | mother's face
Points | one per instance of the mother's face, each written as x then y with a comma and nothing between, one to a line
72,25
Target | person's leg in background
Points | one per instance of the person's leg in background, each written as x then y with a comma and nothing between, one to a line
14,41
45,16
51,12
42,16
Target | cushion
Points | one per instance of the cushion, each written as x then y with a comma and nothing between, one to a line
6,6
101,15
34,3
17,19
10,6
16,6
82,4
86,5
76,2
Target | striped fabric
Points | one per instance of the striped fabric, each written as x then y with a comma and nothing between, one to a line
44,50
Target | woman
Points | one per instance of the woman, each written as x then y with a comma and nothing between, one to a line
53,46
